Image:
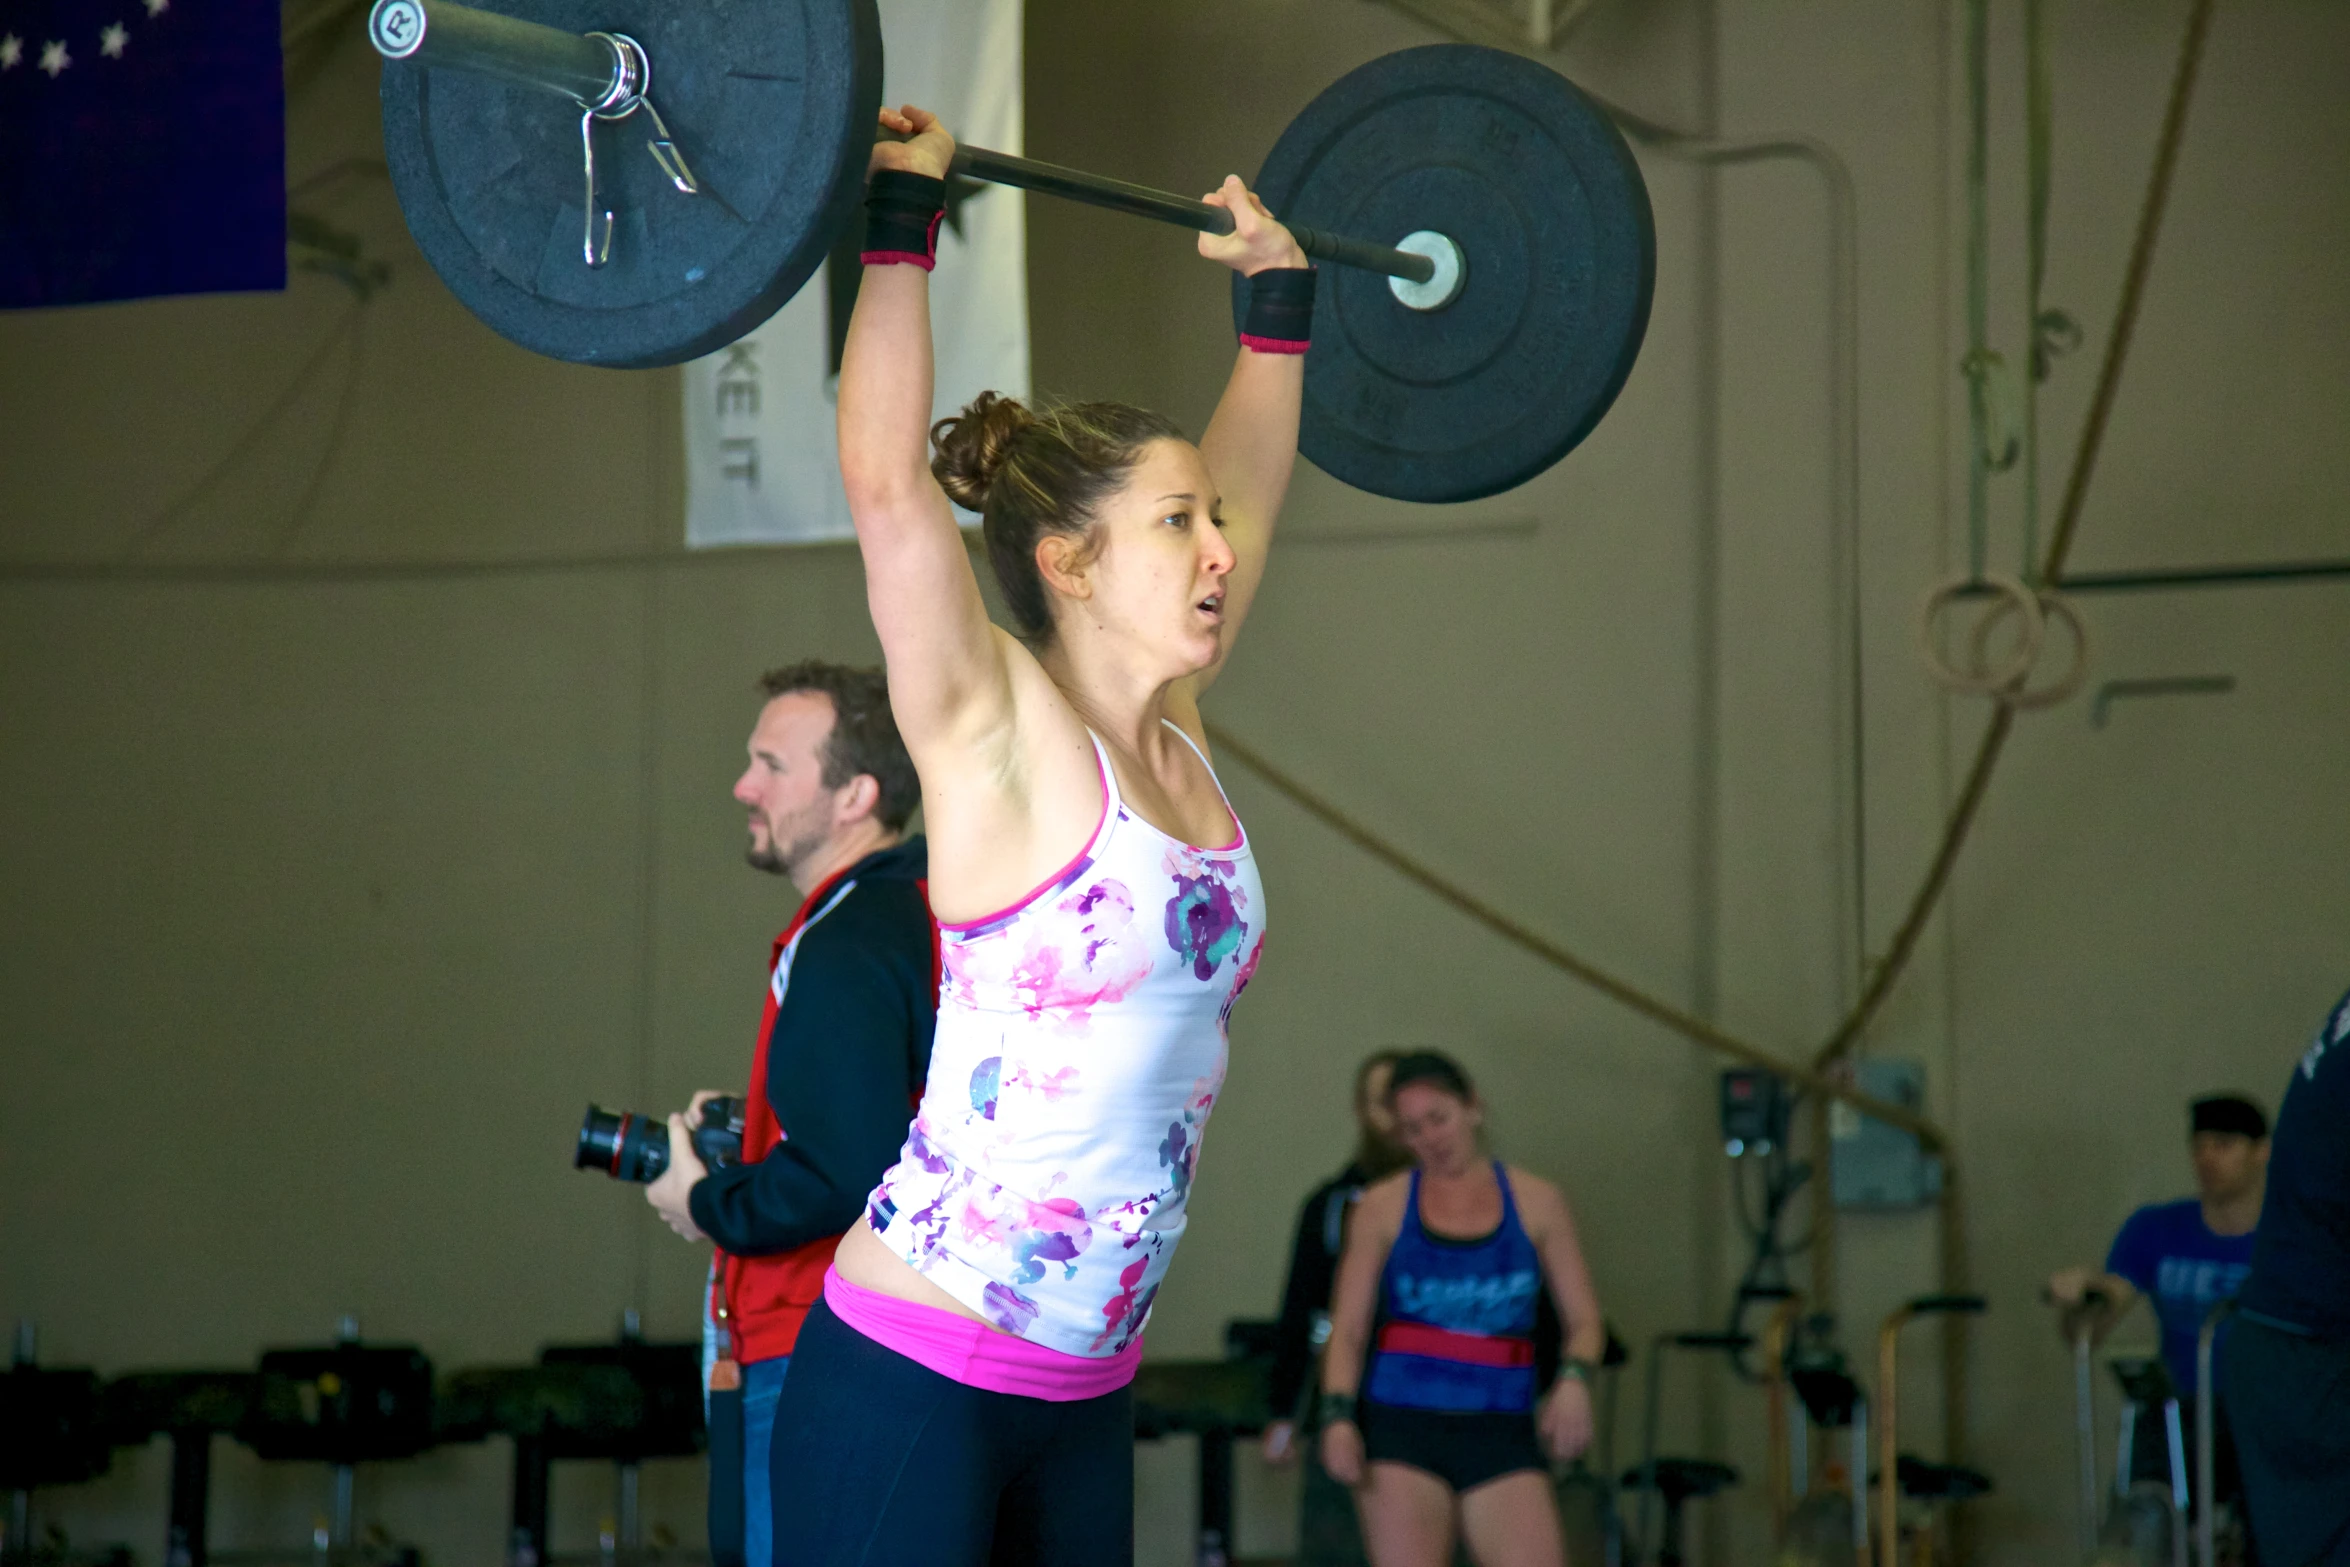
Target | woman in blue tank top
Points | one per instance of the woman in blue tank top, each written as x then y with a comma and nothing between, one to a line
1438,1285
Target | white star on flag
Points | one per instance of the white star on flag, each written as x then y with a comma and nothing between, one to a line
158,7
11,51
96,190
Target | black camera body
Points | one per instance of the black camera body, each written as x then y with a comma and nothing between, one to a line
631,1147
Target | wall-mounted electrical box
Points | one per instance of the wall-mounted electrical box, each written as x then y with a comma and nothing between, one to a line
1873,1165
1754,1111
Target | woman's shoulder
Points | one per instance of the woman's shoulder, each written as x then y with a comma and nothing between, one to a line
1536,1195
1384,1198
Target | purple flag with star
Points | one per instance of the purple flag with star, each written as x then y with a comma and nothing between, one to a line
142,149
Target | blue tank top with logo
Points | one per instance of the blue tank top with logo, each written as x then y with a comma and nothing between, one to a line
1457,1317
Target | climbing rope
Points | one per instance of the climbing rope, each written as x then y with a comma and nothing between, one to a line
1526,938
2068,522
2039,137
2003,407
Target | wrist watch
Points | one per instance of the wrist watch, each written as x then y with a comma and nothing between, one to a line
1335,1407
1578,1370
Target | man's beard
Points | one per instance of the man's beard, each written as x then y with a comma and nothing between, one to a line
780,856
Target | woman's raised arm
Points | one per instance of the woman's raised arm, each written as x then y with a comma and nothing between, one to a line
1251,443
946,663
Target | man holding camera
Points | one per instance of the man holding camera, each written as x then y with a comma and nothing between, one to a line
844,1047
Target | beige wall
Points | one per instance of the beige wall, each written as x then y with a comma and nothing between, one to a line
332,894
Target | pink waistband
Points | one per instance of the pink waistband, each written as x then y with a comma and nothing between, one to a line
974,1354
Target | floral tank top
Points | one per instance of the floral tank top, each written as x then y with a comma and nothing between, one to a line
1081,1044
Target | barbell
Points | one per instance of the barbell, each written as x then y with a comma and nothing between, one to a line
1494,249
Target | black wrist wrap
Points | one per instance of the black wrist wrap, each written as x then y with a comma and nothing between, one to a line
902,214
1280,311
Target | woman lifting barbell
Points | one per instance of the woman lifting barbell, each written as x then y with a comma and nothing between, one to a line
960,1395
1449,1258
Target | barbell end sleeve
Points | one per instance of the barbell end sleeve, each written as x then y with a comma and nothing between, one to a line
585,67
1348,252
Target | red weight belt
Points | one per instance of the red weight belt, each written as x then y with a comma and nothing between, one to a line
1476,1349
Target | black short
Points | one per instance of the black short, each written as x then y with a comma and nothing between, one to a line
1462,1450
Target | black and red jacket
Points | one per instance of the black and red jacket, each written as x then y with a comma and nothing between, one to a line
852,999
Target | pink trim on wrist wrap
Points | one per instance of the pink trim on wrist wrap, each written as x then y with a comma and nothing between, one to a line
1273,345
884,224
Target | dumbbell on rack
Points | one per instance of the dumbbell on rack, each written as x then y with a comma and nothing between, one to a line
345,1404
191,1408
52,1432
621,1403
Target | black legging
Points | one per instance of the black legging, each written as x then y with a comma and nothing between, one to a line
879,1462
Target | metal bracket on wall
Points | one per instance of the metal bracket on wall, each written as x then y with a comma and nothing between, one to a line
1528,26
2101,705
2163,578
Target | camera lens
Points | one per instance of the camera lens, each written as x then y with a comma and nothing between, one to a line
624,1146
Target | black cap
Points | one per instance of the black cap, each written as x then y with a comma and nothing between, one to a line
2228,1113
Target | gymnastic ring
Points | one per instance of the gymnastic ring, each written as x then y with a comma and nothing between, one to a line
2018,693
2013,594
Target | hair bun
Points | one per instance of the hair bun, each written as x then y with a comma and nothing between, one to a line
973,445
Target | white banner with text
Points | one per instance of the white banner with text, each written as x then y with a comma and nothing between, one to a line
761,461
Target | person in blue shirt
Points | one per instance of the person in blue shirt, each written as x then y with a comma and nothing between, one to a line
2288,1352
2184,1257
2189,1255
